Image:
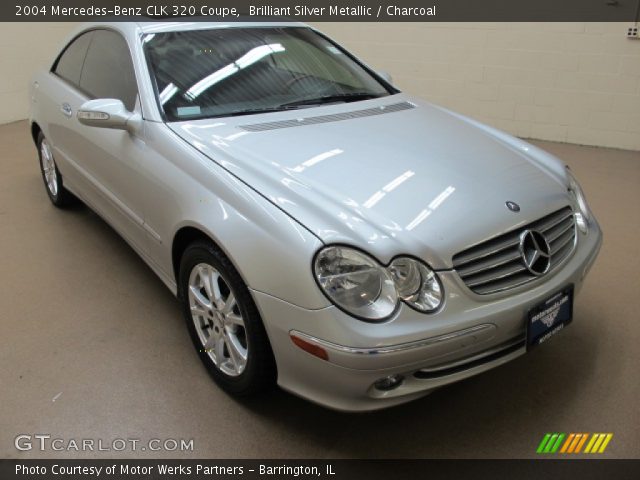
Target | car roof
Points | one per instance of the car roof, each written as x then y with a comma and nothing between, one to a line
132,30
173,26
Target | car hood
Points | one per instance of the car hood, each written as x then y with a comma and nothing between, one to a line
392,175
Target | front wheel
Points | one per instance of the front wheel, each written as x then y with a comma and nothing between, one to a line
224,322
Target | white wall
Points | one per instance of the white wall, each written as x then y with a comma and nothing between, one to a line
24,47
570,82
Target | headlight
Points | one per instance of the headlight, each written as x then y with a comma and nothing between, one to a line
584,215
358,284
416,284
355,282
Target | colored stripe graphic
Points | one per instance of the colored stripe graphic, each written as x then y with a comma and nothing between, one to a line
544,441
555,447
598,442
581,443
572,443
550,443
592,440
567,442
607,439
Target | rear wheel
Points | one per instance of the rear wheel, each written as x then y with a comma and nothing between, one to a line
59,196
224,322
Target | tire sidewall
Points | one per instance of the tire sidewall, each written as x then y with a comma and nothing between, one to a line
54,198
202,253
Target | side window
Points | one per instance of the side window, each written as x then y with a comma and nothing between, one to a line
69,64
108,69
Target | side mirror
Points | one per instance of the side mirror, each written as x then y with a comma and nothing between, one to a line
108,113
385,76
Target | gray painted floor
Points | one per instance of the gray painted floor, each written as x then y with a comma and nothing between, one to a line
93,346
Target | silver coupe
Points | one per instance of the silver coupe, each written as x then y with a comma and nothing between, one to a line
323,230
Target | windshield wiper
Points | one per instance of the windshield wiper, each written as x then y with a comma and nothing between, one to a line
340,97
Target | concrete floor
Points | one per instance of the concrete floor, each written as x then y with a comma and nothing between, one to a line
94,346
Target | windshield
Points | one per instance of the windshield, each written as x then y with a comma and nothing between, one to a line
238,71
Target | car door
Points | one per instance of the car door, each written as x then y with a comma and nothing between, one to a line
109,160
58,97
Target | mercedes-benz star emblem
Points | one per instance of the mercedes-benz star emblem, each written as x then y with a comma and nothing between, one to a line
513,206
535,252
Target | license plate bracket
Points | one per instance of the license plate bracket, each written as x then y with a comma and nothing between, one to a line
549,317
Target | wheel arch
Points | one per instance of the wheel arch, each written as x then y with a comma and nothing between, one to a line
185,236
255,248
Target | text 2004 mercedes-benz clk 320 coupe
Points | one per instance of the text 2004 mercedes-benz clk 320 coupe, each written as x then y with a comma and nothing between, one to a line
322,230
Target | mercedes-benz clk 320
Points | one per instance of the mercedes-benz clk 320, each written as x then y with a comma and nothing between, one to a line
323,230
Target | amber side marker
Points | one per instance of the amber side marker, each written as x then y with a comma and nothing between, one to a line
308,347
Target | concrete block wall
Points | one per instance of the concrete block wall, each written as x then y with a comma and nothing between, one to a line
23,48
568,82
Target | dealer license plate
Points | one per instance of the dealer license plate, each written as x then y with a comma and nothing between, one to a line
549,317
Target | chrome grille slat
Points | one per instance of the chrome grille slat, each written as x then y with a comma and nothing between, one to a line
560,256
495,265
555,232
486,264
561,241
468,255
547,224
495,274
501,287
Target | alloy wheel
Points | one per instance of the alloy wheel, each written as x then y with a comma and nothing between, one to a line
218,320
49,168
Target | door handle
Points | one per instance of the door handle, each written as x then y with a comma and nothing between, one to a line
66,110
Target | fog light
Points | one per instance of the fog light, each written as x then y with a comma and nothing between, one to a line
389,383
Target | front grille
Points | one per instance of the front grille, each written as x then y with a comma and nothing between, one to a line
496,265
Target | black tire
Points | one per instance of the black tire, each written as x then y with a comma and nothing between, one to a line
61,197
259,372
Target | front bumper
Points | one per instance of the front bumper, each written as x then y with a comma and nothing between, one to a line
469,335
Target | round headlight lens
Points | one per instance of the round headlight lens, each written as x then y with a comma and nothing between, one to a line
417,285
356,282
406,275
